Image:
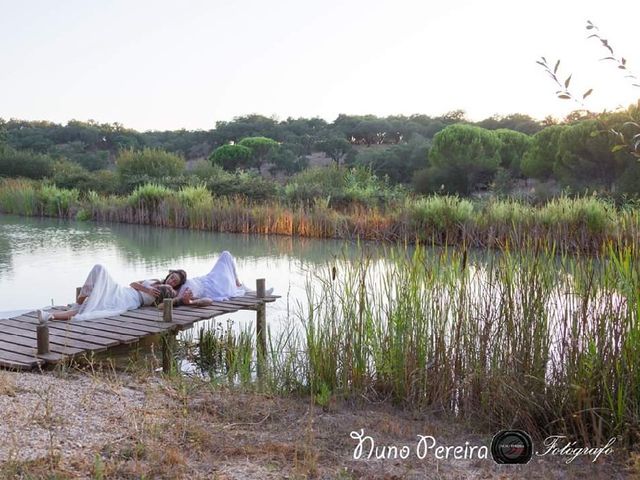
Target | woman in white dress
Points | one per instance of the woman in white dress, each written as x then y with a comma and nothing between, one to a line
101,296
220,284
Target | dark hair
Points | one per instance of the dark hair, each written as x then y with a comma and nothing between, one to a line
181,273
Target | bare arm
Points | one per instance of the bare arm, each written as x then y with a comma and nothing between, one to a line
154,292
187,299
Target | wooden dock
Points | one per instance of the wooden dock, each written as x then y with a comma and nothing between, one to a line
19,338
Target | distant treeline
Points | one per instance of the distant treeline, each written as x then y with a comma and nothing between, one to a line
445,154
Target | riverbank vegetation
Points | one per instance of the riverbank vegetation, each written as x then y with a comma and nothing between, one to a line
497,339
356,206
508,180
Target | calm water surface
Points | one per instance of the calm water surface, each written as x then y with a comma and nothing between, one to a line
42,261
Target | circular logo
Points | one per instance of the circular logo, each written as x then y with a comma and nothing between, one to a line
511,447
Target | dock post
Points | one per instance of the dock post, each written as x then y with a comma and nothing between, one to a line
167,337
78,289
167,310
42,337
261,320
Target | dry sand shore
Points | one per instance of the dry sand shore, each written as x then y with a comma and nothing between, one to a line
109,424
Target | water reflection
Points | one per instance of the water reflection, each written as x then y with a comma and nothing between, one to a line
43,260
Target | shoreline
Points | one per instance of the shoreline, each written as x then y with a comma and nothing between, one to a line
123,425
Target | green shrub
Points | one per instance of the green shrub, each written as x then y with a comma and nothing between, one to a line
440,212
57,202
23,163
232,157
149,162
149,195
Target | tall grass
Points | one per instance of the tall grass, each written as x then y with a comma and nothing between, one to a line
569,224
547,343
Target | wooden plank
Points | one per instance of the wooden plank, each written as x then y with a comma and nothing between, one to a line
53,339
121,327
150,317
242,306
31,343
8,362
267,298
142,323
18,353
50,357
176,314
194,315
31,327
224,306
82,327
245,300
204,312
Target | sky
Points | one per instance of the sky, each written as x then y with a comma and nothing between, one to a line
168,65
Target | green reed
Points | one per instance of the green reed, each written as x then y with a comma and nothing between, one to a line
545,342
569,224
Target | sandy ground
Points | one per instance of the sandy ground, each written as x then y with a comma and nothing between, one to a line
114,425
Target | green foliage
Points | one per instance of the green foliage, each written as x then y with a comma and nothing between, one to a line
440,212
148,163
513,147
19,196
465,156
57,202
250,185
585,157
286,160
149,195
232,157
67,174
77,152
517,121
194,196
336,148
502,182
260,147
23,163
397,162
341,186
596,215
540,159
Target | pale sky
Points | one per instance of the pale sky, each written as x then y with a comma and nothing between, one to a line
155,65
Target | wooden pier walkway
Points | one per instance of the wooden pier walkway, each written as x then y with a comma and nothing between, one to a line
66,339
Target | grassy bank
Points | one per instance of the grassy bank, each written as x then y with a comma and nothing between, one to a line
535,341
573,224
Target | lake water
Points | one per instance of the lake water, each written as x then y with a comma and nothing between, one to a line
42,261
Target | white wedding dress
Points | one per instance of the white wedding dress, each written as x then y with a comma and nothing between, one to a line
106,298
219,284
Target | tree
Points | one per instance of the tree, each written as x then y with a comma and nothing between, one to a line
336,148
231,157
398,162
464,157
260,147
513,147
585,158
539,160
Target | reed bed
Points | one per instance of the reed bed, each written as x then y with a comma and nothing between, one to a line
581,224
502,339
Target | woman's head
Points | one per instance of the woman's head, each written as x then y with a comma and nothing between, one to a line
176,278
